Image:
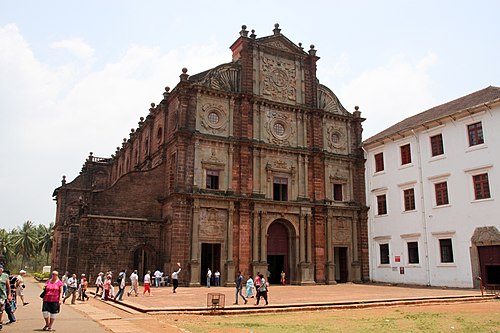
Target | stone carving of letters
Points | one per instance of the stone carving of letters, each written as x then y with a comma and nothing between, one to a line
279,78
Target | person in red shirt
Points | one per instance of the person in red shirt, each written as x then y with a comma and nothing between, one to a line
107,287
52,300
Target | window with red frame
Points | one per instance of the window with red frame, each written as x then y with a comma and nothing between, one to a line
441,193
409,195
405,154
475,132
381,204
379,162
437,147
481,186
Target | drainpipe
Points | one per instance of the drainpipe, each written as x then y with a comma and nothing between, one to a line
367,198
422,204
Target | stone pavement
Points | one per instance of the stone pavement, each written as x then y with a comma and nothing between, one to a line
195,299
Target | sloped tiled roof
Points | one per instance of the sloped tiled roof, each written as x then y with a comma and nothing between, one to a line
474,99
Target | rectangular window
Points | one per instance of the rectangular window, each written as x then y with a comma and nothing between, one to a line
381,204
413,253
481,186
337,192
212,179
441,193
280,189
475,132
405,154
379,162
446,250
437,147
409,195
384,254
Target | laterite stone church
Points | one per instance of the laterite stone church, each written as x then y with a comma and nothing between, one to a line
250,166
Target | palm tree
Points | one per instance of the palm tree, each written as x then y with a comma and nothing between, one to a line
45,238
24,241
6,251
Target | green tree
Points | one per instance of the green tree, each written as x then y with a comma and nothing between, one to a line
45,238
24,241
6,249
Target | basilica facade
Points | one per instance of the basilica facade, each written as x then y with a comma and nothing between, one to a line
251,166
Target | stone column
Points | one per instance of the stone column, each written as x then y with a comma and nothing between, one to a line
195,245
302,242
230,168
309,239
306,176
330,262
255,236
229,245
356,267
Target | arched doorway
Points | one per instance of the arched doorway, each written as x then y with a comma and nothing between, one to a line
278,251
144,260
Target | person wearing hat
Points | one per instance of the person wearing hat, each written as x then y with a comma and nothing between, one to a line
5,295
20,286
98,283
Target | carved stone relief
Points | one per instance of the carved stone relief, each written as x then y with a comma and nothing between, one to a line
214,118
212,223
225,77
336,138
279,79
342,230
328,101
280,128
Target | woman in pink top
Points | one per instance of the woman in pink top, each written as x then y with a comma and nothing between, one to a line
52,300
107,287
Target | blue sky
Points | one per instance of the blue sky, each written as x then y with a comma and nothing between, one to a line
76,76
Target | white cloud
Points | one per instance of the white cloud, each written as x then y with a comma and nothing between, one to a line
75,46
53,116
391,92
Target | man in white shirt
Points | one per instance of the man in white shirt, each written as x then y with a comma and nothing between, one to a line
147,283
175,274
134,283
157,274
20,286
217,278
72,288
98,284
209,277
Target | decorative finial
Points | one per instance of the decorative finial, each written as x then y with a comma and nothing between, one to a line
356,108
152,105
244,31
132,130
312,51
167,92
357,113
184,76
300,46
63,181
276,29
253,35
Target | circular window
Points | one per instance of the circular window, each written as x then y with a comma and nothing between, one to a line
279,129
213,117
335,138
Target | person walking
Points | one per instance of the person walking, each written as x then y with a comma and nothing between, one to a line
147,283
257,285
10,307
85,285
107,288
209,277
262,290
175,278
20,286
5,293
72,288
98,283
249,287
121,285
64,280
239,287
157,274
52,300
134,283
80,287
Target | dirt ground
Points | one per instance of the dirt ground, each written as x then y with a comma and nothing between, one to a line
454,317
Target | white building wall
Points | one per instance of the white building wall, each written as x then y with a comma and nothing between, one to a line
428,222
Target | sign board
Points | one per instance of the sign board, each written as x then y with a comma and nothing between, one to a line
397,258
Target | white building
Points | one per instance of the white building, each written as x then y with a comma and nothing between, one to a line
433,187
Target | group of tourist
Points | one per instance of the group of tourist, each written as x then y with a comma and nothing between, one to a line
11,289
213,277
260,285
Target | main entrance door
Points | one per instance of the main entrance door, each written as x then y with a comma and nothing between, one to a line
340,257
210,258
278,252
489,260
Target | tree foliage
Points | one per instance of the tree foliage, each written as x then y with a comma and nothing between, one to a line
26,247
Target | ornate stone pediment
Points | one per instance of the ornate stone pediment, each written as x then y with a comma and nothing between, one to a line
282,43
279,77
484,236
224,77
329,102
342,230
